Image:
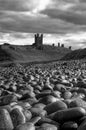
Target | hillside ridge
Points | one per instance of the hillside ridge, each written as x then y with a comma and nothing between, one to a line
27,53
75,55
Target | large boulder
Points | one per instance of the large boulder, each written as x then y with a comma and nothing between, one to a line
55,106
71,114
5,120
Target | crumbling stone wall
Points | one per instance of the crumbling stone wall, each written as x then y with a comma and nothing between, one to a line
38,41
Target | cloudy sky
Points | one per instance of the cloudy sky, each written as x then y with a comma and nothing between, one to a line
60,20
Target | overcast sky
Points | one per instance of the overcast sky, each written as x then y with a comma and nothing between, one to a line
60,20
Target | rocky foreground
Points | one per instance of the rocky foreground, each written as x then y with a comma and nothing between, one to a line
43,97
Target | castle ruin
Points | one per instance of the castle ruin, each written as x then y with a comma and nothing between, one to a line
69,47
58,44
38,41
62,45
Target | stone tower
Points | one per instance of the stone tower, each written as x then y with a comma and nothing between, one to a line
69,47
58,44
38,43
62,45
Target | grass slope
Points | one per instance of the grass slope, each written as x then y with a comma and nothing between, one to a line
29,54
76,54
4,56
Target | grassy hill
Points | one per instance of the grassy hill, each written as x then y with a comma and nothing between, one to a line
4,56
76,54
18,53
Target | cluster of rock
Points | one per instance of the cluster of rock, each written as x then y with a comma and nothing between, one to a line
43,97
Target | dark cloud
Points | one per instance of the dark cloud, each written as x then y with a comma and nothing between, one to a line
73,11
58,21
68,16
82,1
79,8
14,5
23,23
